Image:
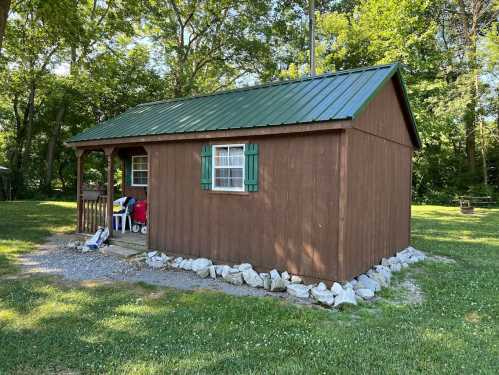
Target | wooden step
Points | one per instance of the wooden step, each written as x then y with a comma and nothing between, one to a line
123,252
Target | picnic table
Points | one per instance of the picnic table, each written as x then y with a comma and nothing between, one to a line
468,202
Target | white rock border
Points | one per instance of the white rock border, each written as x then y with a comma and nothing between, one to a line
362,288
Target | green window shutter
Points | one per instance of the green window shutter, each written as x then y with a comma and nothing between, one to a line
206,167
128,171
251,167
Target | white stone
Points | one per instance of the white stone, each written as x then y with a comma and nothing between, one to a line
324,297
266,280
347,285
346,297
385,262
296,279
219,269
321,286
213,272
336,288
274,274
385,271
245,266
201,263
405,265
278,285
186,264
392,260
285,275
365,293
395,267
384,282
235,278
86,249
252,278
155,262
298,290
203,272
368,283
150,254
353,282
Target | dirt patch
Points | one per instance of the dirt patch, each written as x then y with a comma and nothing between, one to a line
410,293
442,259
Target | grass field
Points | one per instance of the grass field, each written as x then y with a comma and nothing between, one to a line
51,326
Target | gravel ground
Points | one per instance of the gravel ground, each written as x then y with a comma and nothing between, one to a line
52,258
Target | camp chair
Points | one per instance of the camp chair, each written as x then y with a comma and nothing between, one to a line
123,216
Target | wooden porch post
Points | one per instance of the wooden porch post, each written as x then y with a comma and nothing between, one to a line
80,158
148,149
108,151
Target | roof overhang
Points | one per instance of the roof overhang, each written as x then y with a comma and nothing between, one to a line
216,134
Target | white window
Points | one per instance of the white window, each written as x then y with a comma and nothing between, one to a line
139,170
228,167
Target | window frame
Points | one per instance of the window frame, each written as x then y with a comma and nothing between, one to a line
140,170
213,168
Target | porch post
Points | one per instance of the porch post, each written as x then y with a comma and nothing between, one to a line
108,151
80,157
148,149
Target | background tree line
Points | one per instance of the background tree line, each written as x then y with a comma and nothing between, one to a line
67,64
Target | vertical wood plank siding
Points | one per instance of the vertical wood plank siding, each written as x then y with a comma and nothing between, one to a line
290,223
378,193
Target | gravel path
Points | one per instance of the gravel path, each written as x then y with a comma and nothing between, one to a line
52,258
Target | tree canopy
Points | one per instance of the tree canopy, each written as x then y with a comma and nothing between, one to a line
69,64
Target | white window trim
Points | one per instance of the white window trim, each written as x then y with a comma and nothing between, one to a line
140,170
213,148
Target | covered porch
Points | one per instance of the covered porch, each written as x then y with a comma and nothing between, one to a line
95,202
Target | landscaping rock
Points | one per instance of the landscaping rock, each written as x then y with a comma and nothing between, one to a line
213,272
285,276
225,270
395,267
321,286
296,279
368,283
298,290
203,272
324,297
252,278
277,285
385,271
151,254
366,294
274,274
345,297
245,266
266,280
235,278
186,264
200,263
336,289
219,269
379,278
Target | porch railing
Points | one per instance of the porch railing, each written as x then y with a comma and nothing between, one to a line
94,213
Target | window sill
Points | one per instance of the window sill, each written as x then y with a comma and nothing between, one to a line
228,192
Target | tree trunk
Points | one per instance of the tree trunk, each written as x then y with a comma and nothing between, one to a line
51,148
4,12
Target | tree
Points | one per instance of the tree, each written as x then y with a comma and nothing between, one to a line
4,12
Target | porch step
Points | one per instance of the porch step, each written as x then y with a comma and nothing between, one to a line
120,242
123,252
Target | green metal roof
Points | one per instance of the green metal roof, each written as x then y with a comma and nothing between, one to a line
334,96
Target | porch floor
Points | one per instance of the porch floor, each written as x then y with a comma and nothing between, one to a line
129,240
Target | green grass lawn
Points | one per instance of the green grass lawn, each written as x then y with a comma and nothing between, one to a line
50,326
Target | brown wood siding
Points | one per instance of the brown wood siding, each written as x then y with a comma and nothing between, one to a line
384,117
291,223
377,202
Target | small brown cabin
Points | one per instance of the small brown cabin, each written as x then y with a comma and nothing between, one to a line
312,176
